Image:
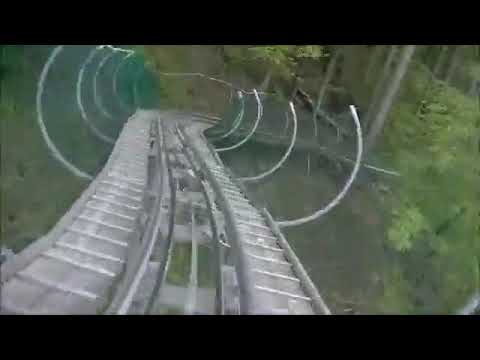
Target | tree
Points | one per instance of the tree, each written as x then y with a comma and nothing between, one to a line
332,64
439,64
275,58
390,92
381,83
434,218
283,60
474,73
453,64
375,55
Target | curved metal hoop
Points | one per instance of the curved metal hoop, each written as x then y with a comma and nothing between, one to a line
114,48
96,96
39,107
284,157
85,118
115,77
252,131
345,189
236,122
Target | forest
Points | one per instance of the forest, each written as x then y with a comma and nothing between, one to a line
420,114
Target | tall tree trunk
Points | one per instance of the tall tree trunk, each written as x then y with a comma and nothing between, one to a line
473,87
328,78
387,101
296,78
323,87
453,64
440,61
295,85
373,61
381,83
266,80
435,75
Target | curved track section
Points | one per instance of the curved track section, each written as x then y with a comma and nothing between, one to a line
267,281
79,264
137,266
111,252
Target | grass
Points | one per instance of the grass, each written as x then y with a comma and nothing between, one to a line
179,269
35,190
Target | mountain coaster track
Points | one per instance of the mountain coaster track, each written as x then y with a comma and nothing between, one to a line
98,257
163,188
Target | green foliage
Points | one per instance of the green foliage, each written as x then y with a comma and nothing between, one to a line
7,107
276,55
474,70
397,293
408,223
310,51
13,62
435,208
457,275
179,269
285,58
